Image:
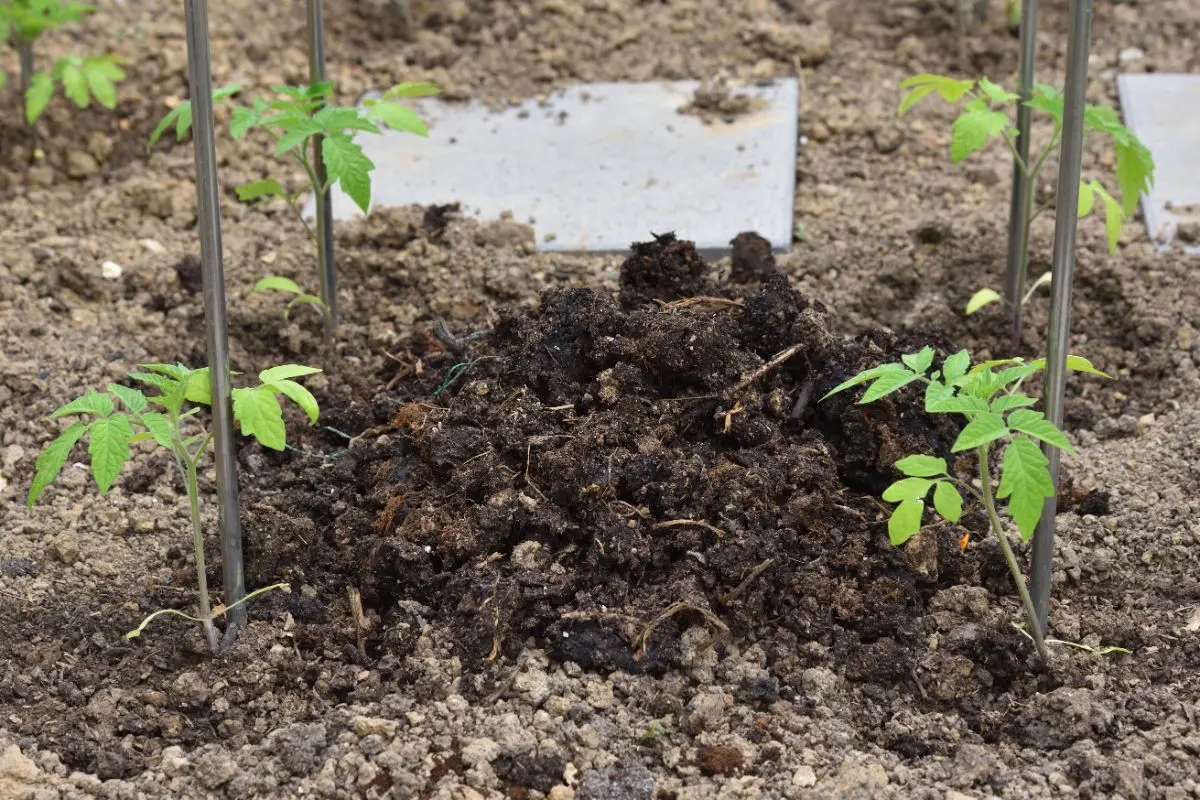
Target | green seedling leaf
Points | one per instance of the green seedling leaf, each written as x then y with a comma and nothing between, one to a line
1135,172
158,427
1025,483
1048,100
37,97
297,131
905,521
1007,402
956,366
302,299
919,466
243,119
176,371
864,376
285,371
300,396
1074,364
339,120
181,115
50,462
1087,197
919,362
91,403
133,399
418,89
346,164
920,86
198,387
986,427
907,489
886,384
973,129
995,93
260,416
940,399
947,501
108,446
1035,424
279,284
74,84
1045,280
257,190
1114,219
101,74
982,298
398,117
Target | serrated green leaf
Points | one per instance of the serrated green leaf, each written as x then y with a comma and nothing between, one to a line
258,413
907,489
37,96
198,388
398,117
956,366
995,93
296,132
1048,100
278,283
171,116
864,376
159,381
1087,197
257,190
286,371
1035,424
101,86
300,396
1025,483
919,466
133,399
1011,375
159,427
338,120
108,447
947,501
913,97
51,461
980,299
984,428
973,129
1114,218
415,89
243,119
176,371
346,164
1134,172
91,403
919,362
107,65
886,384
74,84
1007,402
1075,364
940,399
905,521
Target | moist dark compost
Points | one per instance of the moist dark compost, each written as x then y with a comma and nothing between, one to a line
605,472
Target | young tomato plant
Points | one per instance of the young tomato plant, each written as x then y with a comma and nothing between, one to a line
123,416
998,414
82,78
984,117
296,119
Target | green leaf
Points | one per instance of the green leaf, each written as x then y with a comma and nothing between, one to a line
338,120
949,89
1114,217
285,371
398,117
91,403
296,131
198,388
907,489
1087,197
278,283
941,399
972,130
158,381
982,298
919,466
101,84
995,93
1074,364
1048,100
176,371
256,190
1025,483
159,427
108,446
37,97
345,163
864,376
1007,402
300,396
74,84
51,461
417,89
302,299
1135,172
174,115
986,427
919,362
133,399
905,521
243,119
886,384
947,501
259,414
956,366
1035,424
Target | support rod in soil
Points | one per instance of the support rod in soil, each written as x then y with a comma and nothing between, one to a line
1059,339
1023,183
324,203
213,277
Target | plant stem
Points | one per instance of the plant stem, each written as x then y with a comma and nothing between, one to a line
989,503
193,492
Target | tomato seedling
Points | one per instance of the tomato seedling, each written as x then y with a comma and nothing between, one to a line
988,397
294,120
984,117
114,420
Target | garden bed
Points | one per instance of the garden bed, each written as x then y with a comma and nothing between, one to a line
582,549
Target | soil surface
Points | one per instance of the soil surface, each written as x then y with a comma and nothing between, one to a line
585,541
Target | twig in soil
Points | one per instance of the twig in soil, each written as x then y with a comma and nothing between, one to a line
702,303
456,345
673,609
1087,648
741,587
805,397
689,523
775,362
508,682
362,625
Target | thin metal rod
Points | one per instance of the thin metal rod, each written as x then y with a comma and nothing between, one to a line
1065,222
208,207
324,204
1021,208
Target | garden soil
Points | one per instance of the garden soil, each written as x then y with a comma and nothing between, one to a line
587,539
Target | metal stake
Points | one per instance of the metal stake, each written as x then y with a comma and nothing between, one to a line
213,276
1065,221
324,204
1023,184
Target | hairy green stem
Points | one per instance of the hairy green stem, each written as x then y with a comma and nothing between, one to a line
187,463
989,503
